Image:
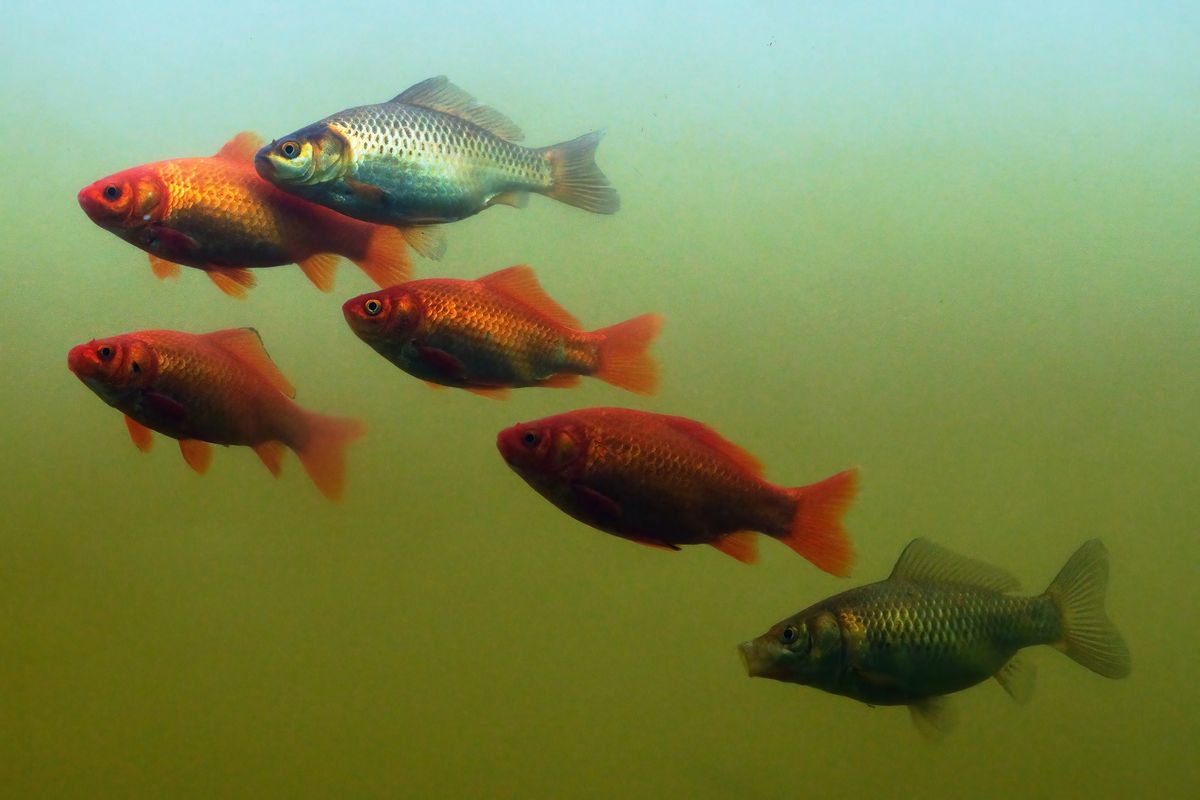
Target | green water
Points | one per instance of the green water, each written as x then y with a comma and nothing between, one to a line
960,250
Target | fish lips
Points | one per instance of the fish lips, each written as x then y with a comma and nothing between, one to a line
756,662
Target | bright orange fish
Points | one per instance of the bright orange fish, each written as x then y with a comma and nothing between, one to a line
218,215
667,481
218,387
498,332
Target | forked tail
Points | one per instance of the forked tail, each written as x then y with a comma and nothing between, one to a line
623,357
576,180
817,532
1088,636
323,452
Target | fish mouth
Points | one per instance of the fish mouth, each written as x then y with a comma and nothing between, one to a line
750,659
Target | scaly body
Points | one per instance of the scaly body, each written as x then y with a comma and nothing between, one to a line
216,214
501,331
667,481
429,155
939,624
219,388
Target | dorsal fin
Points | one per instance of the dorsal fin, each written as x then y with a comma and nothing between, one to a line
925,562
520,284
439,94
246,346
710,438
241,147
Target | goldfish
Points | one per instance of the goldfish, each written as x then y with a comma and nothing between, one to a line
218,215
941,623
666,481
431,154
220,388
497,332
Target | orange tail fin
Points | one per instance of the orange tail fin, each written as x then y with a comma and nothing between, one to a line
386,258
817,532
323,452
623,359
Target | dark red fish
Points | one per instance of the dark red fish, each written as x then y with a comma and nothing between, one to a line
667,481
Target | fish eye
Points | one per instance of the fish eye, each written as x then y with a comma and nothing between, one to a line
789,634
289,149
372,307
105,353
112,192
530,438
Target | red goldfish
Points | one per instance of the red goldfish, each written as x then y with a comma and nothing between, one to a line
218,387
666,481
497,332
218,215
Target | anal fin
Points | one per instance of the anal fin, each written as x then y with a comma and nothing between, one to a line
742,545
490,392
515,199
1017,677
271,454
564,381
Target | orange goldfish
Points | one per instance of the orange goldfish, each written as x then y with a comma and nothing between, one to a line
666,481
498,332
218,215
218,387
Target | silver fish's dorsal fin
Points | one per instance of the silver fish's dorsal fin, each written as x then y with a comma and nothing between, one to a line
439,94
925,562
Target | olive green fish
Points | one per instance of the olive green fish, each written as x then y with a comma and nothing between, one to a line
941,623
431,154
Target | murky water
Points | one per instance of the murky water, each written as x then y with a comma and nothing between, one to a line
958,250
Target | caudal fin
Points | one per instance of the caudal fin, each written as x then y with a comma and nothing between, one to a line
386,258
817,532
575,178
323,452
623,357
1088,636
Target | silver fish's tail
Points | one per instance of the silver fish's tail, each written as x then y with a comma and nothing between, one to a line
1088,635
576,180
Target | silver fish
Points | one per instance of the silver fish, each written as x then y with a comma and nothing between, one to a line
432,154
941,623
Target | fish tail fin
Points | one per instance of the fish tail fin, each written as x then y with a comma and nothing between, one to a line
816,529
576,180
323,452
385,257
623,357
1088,635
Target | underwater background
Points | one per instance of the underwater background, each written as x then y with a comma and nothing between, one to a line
956,246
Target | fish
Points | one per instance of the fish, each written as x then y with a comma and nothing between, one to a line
216,214
213,388
499,332
667,481
430,155
939,624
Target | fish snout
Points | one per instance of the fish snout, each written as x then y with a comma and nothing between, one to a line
89,201
506,443
751,658
262,162
82,360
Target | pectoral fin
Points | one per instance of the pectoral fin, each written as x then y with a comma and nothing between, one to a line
366,192
595,504
141,435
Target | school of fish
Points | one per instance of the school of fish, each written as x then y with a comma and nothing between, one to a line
373,181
